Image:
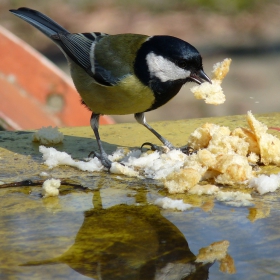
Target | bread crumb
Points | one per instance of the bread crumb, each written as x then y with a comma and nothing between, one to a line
269,144
220,69
118,168
201,137
54,158
182,181
264,183
51,187
249,137
234,169
213,93
253,158
48,136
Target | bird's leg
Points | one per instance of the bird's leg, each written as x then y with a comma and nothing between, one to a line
103,157
140,118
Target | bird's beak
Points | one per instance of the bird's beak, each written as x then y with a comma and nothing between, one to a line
200,77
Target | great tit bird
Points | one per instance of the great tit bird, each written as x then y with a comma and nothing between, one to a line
124,73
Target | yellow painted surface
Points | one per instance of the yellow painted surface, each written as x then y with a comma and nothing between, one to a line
20,158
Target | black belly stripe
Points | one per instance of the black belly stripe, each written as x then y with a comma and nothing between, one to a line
164,92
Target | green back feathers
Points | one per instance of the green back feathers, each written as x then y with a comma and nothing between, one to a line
116,53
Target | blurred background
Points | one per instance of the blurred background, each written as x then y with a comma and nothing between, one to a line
248,31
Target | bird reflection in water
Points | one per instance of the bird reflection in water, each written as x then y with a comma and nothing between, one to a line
130,242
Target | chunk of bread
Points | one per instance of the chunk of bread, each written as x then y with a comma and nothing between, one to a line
213,93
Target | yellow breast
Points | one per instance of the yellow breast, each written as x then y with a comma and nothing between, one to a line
127,97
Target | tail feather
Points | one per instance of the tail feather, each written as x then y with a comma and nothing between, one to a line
40,21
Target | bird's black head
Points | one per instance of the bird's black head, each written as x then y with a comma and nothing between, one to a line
165,63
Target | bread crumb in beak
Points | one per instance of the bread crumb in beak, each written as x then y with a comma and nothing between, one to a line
212,93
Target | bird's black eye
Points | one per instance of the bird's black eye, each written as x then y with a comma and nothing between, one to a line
182,63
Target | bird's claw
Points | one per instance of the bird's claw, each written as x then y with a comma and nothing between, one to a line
103,158
93,154
188,150
154,147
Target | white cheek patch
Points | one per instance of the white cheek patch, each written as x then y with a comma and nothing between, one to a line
164,69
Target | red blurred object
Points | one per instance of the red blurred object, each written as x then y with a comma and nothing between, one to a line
275,128
29,82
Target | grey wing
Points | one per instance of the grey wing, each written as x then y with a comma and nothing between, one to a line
79,47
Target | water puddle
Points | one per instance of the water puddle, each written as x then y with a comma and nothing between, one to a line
116,232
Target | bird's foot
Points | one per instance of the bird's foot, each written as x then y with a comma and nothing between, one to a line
185,149
103,158
188,150
153,147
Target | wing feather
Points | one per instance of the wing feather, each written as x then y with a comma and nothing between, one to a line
80,48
